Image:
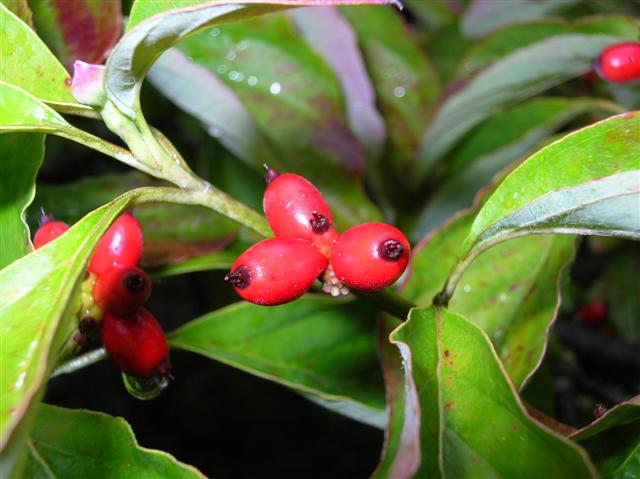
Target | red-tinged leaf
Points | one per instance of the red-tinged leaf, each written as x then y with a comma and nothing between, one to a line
332,37
78,29
401,452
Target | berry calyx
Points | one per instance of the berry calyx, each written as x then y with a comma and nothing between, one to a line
276,270
294,208
370,256
121,290
619,63
49,230
136,343
121,245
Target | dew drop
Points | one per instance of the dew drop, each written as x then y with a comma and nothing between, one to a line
252,80
466,288
222,69
399,92
275,88
145,388
242,45
231,56
214,32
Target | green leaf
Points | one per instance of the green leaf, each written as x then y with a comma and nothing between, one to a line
293,122
434,13
519,75
85,30
28,63
484,16
613,441
472,422
37,305
586,183
20,111
199,92
80,443
316,345
500,140
21,158
511,291
401,451
219,259
513,37
141,46
406,86
332,37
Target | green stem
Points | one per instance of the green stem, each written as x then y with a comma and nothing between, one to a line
212,198
80,362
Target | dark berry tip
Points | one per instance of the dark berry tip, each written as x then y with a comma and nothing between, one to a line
135,283
240,278
391,250
269,173
164,369
319,223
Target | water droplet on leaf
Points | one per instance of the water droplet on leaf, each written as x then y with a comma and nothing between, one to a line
145,388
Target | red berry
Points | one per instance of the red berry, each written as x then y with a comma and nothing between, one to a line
276,270
136,343
370,256
296,209
48,231
619,63
121,290
593,314
121,245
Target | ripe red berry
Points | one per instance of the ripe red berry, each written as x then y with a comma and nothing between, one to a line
296,209
276,270
121,245
121,290
48,231
593,314
370,256
619,63
136,343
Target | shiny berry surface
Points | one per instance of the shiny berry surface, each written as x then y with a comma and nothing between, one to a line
276,270
619,63
48,232
370,256
121,290
136,343
121,245
295,208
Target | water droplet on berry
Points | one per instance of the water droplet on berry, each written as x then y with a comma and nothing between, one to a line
145,388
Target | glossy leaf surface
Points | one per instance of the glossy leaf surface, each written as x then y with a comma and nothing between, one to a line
21,158
513,37
332,37
406,86
79,443
521,74
78,29
586,183
502,139
510,291
20,111
613,441
484,16
473,424
316,345
141,46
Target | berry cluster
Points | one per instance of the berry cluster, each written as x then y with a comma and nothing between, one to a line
306,245
112,297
